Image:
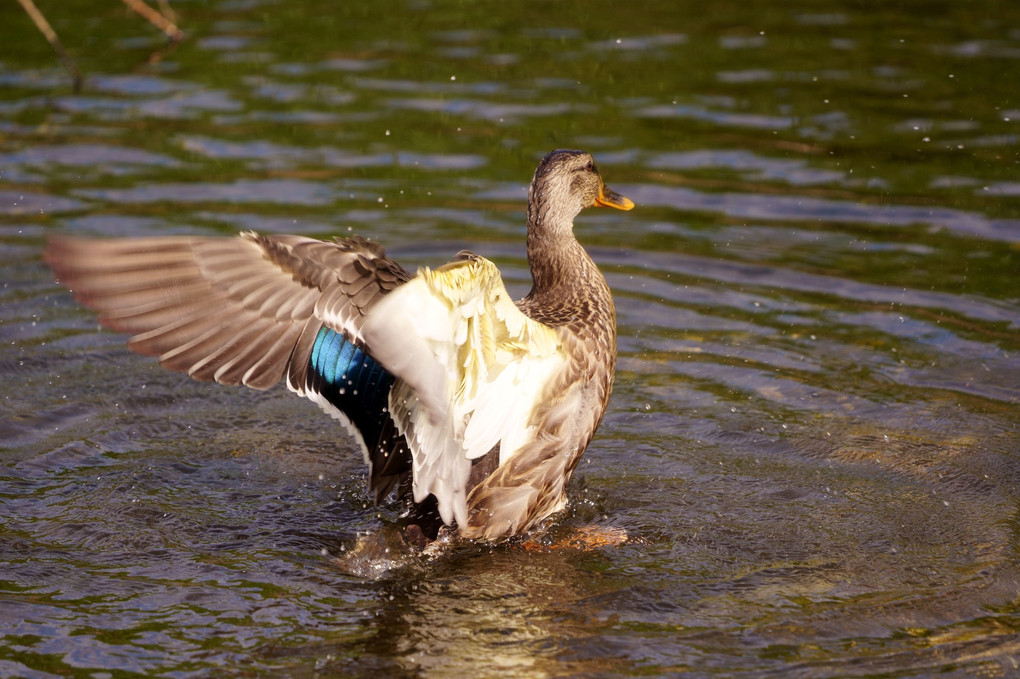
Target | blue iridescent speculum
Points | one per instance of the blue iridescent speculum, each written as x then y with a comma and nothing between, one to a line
351,380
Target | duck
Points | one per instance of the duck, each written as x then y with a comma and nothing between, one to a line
471,407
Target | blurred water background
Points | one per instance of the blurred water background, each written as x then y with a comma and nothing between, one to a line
813,440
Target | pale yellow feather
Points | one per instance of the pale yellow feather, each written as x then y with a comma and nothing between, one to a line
473,367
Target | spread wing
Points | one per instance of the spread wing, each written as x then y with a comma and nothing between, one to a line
472,372
232,310
250,310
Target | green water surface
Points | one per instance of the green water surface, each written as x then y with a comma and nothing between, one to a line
813,438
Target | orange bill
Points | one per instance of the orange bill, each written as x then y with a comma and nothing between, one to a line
609,198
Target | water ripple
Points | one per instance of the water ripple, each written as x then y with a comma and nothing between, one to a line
802,209
812,438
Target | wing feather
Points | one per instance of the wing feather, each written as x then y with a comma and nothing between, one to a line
472,370
226,309
243,310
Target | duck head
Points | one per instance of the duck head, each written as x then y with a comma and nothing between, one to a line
565,183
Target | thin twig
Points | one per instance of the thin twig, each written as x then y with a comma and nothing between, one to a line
51,36
156,19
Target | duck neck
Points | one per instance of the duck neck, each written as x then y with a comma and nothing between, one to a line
558,262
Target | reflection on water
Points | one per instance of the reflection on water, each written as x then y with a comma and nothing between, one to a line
813,436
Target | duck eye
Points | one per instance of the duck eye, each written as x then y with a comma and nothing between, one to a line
590,166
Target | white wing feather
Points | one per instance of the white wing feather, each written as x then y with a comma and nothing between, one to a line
471,369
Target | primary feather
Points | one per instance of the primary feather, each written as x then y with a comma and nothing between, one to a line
455,393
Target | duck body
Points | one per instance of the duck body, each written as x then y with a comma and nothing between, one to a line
475,407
